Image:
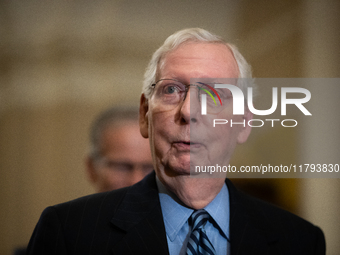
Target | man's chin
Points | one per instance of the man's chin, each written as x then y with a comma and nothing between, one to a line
178,168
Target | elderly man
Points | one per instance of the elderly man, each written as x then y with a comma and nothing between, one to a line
119,156
172,212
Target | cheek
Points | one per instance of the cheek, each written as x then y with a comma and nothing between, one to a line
223,136
114,178
159,133
106,175
104,178
161,124
223,140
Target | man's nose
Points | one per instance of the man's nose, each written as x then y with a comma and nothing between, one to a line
190,106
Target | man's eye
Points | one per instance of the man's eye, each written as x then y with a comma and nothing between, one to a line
119,166
170,89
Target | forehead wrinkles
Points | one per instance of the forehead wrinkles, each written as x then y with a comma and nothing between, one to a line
229,60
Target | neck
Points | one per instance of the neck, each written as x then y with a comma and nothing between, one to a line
195,193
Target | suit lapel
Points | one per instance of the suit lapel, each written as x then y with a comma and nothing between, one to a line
140,221
250,232
139,217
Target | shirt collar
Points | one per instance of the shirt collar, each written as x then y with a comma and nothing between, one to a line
219,210
175,214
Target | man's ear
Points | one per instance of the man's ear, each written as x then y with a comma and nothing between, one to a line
245,132
143,116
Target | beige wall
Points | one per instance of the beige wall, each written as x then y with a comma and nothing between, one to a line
62,62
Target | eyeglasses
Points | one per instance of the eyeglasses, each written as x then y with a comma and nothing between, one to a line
123,166
170,93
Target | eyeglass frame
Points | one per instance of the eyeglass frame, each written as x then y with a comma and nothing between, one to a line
187,86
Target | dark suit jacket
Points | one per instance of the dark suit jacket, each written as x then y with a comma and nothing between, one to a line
130,221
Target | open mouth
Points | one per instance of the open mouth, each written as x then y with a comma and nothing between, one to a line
187,144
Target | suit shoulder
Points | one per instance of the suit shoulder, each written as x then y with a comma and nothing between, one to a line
280,220
283,231
110,199
90,204
263,210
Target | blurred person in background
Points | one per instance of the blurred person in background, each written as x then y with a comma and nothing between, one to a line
119,156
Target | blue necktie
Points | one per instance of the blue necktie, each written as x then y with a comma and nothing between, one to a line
198,242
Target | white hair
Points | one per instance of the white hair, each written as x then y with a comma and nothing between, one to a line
192,35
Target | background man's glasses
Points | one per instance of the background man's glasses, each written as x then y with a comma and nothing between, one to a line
124,166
